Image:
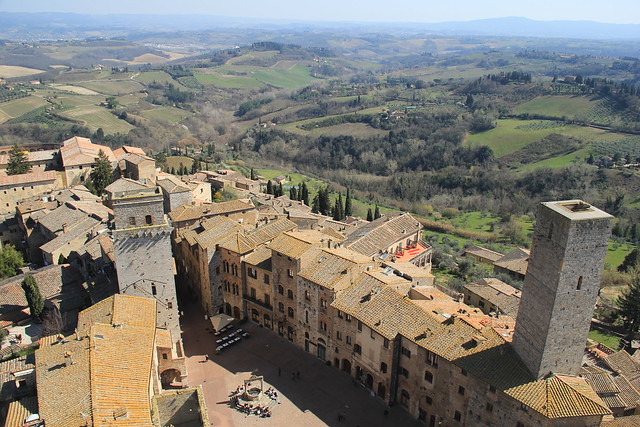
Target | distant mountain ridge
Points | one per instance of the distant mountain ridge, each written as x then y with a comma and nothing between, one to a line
32,26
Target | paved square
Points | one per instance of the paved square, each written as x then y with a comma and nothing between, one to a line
315,399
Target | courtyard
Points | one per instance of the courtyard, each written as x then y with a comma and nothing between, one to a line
309,392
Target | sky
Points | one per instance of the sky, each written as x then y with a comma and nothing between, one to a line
611,11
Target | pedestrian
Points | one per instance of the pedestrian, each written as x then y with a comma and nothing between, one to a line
279,371
206,357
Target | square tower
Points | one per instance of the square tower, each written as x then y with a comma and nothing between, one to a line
561,286
142,248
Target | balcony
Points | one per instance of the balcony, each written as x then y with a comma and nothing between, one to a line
257,302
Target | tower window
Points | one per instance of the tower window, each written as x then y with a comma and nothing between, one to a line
148,220
153,289
579,286
132,220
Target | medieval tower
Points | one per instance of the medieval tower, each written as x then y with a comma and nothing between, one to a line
561,285
142,247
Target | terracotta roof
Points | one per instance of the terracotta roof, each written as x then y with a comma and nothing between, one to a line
243,242
260,258
111,370
27,178
481,252
126,185
621,362
498,293
630,421
7,369
294,244
334,268
81,151
92,208
57,219
216,231
79,229
190,212
135,150
32,156
21,409
375,237
517,260
106,244
171,184
560,396
50,281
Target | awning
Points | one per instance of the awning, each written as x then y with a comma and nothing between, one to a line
219,321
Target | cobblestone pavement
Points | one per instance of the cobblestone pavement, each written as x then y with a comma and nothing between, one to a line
315,399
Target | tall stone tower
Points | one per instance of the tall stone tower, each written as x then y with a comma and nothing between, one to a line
561,285
142,247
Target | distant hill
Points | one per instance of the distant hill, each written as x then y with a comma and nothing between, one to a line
34,26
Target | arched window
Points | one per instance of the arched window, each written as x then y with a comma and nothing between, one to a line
148,219
290,312
281,307
280,290
579,283
428,377
289,294
306,316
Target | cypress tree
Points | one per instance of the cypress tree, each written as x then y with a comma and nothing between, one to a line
347,205
269,187
305,194
323,201
376,214
315,206
340,207
173,170
33,296
293,193
629,305
253,175
280,190
369,215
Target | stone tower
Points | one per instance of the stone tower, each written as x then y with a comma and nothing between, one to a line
561,285
142,247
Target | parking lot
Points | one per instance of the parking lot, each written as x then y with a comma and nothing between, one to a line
315,398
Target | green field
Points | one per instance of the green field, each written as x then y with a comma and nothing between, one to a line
558,106
511,135
18,107
174,162
616,253
357,130
227,82
169,114
113,87
95,117
155,76
560,161
291,78
610,341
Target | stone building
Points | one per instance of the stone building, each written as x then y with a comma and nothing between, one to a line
319,281
198,260
79,156
240,211
561,286
142,249
514,263
493,295
259,294
233,252
16,188
175,192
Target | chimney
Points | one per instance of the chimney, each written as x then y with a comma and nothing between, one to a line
65,228
67,359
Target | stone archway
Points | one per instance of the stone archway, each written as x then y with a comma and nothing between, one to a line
346,366
369,381
382,391
236,312
170,376
227,309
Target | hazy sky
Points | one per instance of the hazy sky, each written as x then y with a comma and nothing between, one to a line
614,11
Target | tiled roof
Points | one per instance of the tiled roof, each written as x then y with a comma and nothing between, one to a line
334,234
135,150
481,252
291,244
332,268
50,281
171,184
55,220
127,185
81,151
630,421
621,362
189,212
7,369
243,242
111,367
376,236
216,230
517,260
498,293
27,178
106,244
136,158
560,396
32,156
92,208
21,409
83,227
260,258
